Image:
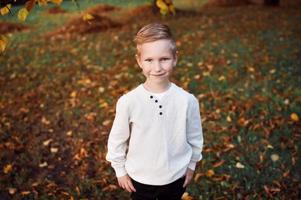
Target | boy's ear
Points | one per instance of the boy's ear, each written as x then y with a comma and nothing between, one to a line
176,59
138,60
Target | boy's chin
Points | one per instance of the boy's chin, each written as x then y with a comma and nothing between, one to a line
158,79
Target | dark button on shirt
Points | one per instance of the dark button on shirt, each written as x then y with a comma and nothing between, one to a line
160,113
156,101
151,96
160,106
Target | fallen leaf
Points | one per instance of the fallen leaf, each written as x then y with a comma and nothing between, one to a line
217,164
87,17
186,196
106,122
275,157
221,78
294,117
25,193
12,190
3,43
44,164
239,165
45,121
73,94
46,142
197,176
7,168
210,173
22,14
69,133
229,119
54,150
4,10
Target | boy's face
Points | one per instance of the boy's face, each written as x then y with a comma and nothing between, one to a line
156,60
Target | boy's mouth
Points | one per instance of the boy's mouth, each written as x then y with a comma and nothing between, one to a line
157,74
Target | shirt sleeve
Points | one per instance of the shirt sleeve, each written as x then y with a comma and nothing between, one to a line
194,132
117,141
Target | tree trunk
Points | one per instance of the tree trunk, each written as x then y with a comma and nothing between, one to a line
271,2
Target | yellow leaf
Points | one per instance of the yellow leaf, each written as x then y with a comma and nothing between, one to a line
103,104
7,168
229,119
73,94
163,7
46,142
25,193
272,71
106,122
5,9
294,117
210,173
42,2
251,69
54,150
206,73
87,17
44,164
69,133
22,14
197,177
274,157
101,89
172,9
58,2
221,78
186,196
239,165
3,43
270,146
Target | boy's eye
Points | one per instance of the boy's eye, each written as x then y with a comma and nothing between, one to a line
148,60
165,59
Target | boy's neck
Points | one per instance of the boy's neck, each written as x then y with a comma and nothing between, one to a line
156,87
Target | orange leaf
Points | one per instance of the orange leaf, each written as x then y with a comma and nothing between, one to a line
7,168
294,117
30,4
217,164
210,173
3,43
4,10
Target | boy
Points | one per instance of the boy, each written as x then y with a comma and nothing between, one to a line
162,122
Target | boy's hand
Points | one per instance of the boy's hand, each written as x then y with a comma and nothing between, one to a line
126,183
188,177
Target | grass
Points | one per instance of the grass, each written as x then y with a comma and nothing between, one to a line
66,91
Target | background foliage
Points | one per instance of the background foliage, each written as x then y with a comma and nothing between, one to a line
59,87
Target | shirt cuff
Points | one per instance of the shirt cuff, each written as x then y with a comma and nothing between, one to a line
120,171
192,165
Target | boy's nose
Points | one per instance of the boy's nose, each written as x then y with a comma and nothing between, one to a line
157,66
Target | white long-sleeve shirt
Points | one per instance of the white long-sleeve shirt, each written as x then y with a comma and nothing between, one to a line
155,140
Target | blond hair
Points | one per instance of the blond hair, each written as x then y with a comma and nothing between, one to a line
153,32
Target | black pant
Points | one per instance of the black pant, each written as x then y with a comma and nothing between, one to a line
171,191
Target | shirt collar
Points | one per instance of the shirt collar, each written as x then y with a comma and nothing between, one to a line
147,94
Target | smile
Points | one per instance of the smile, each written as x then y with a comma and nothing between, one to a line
157,74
